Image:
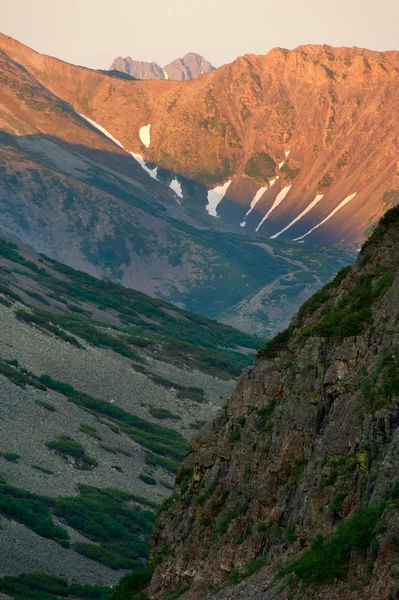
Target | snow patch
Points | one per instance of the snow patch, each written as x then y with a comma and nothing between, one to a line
176,187
104,131
280,197
215,196
307,209
151,172
287,153
332,213
145,136
165,74
281,164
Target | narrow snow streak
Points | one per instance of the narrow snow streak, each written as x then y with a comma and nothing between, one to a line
176,187
104,131
215,196
137,157
347,199
151,172
256,199
307,209
145,136
280,197
165,74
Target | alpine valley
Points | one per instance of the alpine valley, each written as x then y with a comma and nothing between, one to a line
199,296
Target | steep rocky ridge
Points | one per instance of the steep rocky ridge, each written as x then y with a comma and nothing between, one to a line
180,69
298,476
310,121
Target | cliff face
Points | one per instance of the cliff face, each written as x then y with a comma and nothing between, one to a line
304,142
308,444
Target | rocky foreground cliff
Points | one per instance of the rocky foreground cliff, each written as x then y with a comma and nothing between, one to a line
293,491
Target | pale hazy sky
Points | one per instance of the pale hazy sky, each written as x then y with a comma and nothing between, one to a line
94,32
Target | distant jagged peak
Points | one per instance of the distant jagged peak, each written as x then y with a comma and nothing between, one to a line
188,67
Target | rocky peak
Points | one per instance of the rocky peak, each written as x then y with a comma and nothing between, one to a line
180,69
297,478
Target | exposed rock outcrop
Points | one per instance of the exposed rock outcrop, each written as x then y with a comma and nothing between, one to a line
308,444
180,69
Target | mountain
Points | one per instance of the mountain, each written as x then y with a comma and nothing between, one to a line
180,69
101,390
294,145
70,189
293,490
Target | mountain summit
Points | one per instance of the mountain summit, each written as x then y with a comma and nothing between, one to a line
180,69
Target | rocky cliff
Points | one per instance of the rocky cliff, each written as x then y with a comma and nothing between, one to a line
180,69
297,479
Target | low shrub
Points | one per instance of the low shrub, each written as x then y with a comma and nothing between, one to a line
327,560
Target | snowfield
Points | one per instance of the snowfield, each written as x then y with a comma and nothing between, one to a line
145,135
215,196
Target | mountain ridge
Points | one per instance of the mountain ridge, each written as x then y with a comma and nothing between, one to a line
191,65
77,191
300,125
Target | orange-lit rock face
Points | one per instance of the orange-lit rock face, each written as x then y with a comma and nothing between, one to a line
322,120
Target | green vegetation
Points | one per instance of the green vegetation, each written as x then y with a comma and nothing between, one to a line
90,430
161,441
147,479
10,456
119,524
162,413
260,166
379,389
224,523
353,311
247,570
39,586
267,411
327,560
66,446
43,469
30,510
191,392
290,173
389,220
325,181
19,377
115,450
116,520
278,344
130,585
46,405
